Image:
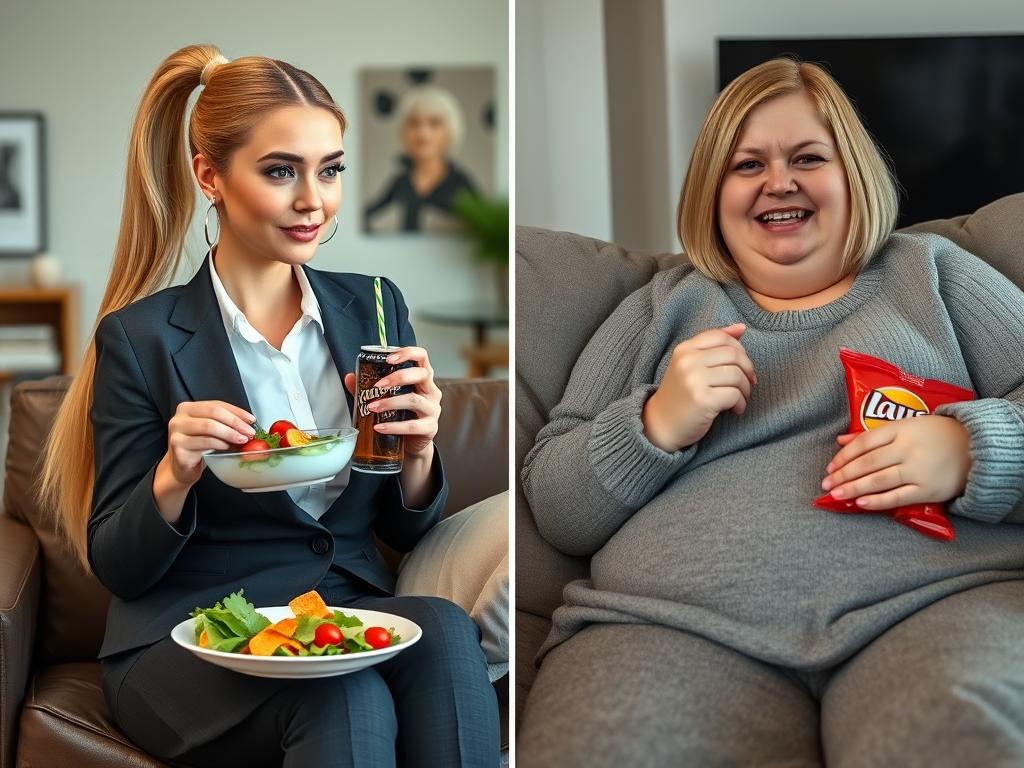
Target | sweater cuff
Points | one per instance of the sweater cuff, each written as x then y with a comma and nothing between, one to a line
995,483
631,467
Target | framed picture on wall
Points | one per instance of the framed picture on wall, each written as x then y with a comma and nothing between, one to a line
427,135
22,212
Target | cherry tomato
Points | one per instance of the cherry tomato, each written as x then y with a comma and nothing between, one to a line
254,445
378,637
328,634
280,428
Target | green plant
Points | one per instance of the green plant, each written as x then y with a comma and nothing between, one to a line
486,221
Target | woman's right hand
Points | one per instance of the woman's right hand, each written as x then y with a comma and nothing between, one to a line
195,428
708,373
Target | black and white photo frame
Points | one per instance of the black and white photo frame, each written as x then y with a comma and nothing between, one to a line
22,184
428,133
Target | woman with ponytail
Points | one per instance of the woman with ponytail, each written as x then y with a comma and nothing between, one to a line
254,336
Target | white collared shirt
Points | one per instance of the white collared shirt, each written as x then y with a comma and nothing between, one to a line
299,382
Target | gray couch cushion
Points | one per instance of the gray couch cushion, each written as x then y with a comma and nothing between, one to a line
994,232
566,286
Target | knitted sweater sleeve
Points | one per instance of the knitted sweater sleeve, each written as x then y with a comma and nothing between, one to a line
592,466
987,311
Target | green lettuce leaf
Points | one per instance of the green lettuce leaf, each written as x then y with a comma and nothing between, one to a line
227,622
245,612
305,630
326,650
314,449
260,465
230,625
273,440
229,645
214,632
343,620
357,643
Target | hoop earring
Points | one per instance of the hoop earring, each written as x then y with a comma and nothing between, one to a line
332,232
206,225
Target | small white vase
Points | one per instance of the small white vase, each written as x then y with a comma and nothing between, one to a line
44,270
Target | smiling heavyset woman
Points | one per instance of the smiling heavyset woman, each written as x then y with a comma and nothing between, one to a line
700,422
786,161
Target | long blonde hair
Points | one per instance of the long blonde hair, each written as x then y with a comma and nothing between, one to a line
873,199
159,199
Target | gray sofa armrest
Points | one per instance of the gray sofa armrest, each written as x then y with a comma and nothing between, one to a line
19,604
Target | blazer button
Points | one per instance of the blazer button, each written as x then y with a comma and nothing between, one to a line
320,545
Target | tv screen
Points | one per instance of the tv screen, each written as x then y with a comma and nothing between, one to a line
949,111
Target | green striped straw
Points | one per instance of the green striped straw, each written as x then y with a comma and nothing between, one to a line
380,312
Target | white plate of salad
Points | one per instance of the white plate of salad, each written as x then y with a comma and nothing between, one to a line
305,638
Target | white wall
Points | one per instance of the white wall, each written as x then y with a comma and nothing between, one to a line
563,178
85,65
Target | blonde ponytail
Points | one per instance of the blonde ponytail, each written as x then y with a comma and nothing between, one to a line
159,199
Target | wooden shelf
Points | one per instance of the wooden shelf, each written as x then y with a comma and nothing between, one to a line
56,306
482,358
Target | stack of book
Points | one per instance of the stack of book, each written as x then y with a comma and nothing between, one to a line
28,349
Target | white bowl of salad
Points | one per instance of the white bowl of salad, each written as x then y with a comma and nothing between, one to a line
284,457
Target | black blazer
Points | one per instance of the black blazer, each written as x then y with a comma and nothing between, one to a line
172,347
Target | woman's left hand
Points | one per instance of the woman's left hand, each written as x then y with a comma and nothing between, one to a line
424,401
910,461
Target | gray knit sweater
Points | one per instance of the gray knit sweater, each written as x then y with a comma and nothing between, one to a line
720,538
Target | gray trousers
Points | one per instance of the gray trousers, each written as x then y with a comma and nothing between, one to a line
944,687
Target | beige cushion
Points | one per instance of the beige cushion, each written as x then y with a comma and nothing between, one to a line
464,559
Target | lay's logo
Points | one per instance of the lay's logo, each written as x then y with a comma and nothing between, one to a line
890,404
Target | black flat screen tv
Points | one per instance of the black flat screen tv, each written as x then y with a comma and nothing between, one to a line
949,111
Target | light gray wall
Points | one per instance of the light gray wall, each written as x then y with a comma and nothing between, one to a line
563,178
637,121
85,65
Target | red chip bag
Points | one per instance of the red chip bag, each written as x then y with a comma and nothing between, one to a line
880,392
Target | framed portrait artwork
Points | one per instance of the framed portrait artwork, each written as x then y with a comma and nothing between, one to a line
427,135
22,210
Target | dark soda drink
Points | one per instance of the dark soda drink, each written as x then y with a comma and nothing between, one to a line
376,452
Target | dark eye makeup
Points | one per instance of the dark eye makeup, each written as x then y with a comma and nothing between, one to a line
272,172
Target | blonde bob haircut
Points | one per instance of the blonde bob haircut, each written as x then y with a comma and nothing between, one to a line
434,100
873,198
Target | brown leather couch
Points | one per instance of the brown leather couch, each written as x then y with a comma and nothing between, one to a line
588,278
52,613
